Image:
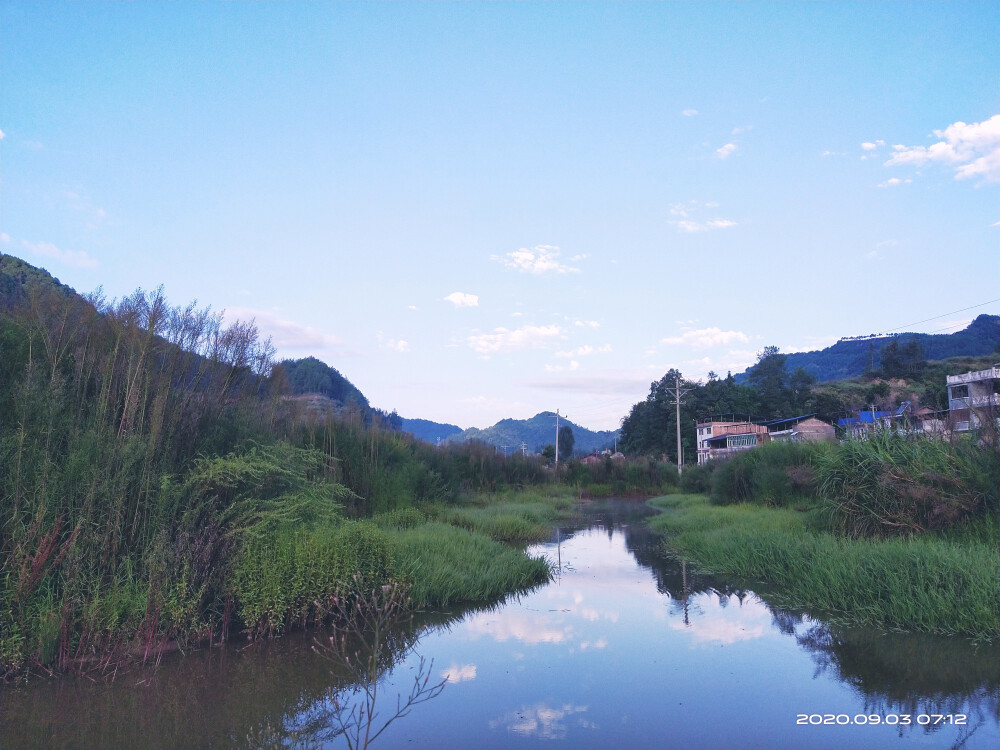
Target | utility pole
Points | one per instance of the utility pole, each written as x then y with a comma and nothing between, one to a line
678,393
524,448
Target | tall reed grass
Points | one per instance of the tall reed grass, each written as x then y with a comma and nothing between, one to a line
890,485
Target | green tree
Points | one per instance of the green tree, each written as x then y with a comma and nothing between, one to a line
566,442
769,377
650,429
800,389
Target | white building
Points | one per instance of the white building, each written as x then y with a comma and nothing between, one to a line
973,397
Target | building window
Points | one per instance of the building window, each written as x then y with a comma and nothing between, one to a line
960,391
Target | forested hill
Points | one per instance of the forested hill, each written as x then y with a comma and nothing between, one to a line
536,433
15,275
309,375
849,358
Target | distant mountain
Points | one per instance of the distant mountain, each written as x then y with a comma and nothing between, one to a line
536,433
428,431
851,357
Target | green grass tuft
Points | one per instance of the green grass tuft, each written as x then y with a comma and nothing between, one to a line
924,583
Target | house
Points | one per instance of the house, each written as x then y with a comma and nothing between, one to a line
871,419
930,421
973,397
724,435
728,443
806,427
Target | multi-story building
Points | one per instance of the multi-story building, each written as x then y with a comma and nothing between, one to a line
725,435
973,397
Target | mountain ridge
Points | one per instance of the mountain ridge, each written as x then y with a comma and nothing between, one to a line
535,433
851,357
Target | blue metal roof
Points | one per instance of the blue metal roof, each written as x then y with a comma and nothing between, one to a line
870,417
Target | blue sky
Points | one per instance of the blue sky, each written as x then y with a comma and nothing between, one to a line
477,211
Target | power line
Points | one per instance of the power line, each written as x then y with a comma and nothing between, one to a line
971,307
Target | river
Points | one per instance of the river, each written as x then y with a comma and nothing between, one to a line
625,648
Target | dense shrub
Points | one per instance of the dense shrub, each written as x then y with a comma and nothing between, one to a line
634,476
698,479
777,473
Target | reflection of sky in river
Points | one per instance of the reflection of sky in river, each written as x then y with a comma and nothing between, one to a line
601,658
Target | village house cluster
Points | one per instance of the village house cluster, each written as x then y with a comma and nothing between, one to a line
973,401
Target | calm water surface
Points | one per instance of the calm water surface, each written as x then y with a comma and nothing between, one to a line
625,648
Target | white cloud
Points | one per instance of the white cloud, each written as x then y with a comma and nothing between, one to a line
285,334
75,258
504,340
724,152
585,350
972,149
395,345
4,238
872,145
689,112
692,227
1,135
461,299
705,338
688,223
537,260
893,182
587,323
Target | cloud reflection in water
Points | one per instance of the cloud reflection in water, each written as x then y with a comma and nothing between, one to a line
459,673
542,721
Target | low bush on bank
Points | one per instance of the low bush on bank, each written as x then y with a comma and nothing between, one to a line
777,473
622,478
698,478
923,583
515,518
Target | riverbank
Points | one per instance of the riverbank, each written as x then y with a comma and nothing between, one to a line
943,584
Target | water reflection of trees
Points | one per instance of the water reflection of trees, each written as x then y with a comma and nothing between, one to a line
894,673
274,693
910,673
